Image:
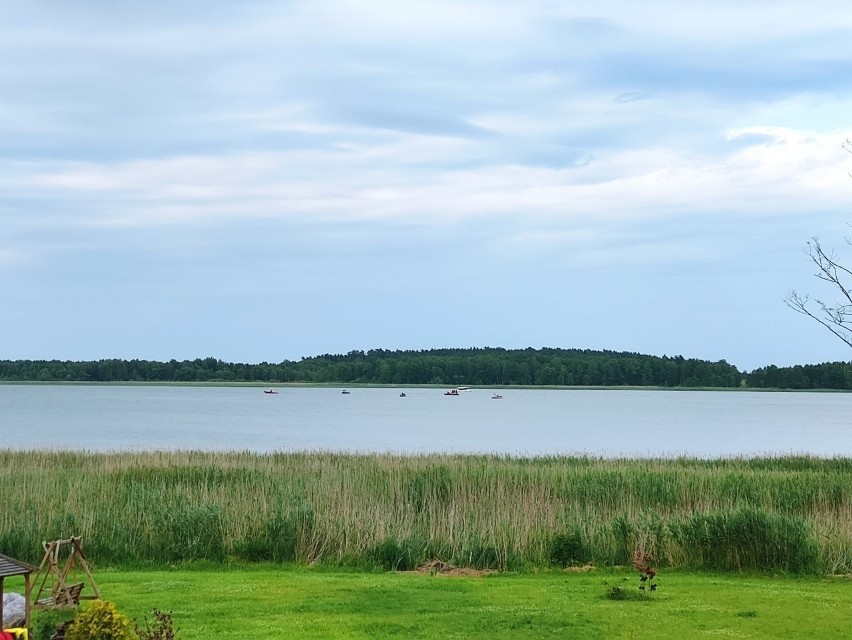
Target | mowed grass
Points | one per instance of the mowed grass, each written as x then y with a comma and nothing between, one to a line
273,602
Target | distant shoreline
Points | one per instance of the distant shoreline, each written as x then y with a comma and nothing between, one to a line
367,385
476,367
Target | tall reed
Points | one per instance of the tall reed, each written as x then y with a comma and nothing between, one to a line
786,513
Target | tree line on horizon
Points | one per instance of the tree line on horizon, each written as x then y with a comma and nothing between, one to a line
452,367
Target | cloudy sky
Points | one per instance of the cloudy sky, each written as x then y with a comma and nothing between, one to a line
271,180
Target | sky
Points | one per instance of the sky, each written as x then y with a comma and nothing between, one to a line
260,181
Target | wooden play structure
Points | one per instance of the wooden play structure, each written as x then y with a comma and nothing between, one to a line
10,567
63,560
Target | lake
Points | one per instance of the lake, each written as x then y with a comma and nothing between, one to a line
634,423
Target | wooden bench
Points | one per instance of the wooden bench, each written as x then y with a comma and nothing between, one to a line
68,597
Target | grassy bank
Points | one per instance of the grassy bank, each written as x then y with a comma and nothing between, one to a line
268,602
781,514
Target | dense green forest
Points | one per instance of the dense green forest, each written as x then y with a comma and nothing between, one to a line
484,366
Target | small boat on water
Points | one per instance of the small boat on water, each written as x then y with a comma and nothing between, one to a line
402,395
345,392
452,392
272,392
496,396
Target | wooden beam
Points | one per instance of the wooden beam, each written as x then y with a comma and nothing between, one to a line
27,603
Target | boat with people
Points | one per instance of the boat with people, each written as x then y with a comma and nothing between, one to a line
402,394
271,392
452,392
345,392
496,396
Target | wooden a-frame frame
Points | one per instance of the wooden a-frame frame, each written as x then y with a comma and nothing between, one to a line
63,594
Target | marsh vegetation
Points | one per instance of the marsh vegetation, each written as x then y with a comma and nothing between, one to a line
782,514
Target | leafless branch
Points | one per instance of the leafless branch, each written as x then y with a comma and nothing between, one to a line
847,145
836,318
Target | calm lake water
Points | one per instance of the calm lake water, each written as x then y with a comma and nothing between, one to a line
531,422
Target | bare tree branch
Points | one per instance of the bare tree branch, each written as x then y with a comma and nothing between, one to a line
836,318
847,146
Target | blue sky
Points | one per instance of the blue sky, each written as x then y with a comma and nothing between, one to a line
270,180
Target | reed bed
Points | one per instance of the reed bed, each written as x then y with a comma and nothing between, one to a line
779,514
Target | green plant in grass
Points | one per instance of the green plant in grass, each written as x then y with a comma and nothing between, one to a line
160,627
45,621
643,561
101,620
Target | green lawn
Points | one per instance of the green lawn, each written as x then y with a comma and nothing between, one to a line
269,602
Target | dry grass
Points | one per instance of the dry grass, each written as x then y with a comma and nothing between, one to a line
481,511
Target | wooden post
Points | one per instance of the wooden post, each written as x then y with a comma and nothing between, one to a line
27,604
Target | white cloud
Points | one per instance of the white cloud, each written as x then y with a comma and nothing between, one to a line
794,163
402,176
296,118
721,21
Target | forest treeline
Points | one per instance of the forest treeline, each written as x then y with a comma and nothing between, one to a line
480,366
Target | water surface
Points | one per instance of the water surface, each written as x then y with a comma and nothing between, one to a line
524,422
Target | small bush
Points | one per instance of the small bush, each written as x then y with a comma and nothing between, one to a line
643,562
45,621
160,628
395,555
617,592
569,549
622,592
100,621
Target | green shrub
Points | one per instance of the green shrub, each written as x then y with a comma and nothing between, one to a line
100,621
569,549
747,539
395,555
45,621
622,591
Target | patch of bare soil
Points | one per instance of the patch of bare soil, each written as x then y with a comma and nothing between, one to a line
441,568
